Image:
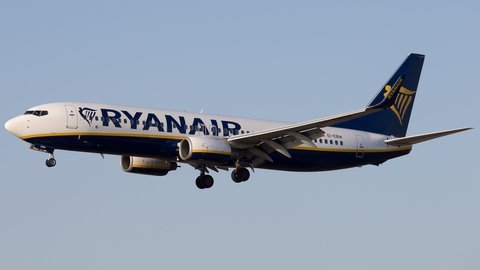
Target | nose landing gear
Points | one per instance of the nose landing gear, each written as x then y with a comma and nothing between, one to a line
50,162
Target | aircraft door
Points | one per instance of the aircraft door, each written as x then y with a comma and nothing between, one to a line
72,120
360,146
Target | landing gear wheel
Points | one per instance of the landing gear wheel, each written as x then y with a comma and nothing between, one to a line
207,181
234,177
204,181
199,183
240,175
51,162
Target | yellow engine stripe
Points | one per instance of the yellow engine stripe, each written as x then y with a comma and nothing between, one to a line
211,152
151,167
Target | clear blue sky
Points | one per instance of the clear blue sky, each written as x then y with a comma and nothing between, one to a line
275,60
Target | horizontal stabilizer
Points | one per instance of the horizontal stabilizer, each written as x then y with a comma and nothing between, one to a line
422,138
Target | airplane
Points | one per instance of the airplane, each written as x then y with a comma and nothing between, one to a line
154,141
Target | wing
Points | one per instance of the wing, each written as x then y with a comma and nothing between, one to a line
258,145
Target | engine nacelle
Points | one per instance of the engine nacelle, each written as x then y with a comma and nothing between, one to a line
150,166
205,149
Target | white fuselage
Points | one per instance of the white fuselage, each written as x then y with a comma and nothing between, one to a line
90,126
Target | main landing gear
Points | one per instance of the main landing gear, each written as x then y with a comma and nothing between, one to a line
204,181
240,175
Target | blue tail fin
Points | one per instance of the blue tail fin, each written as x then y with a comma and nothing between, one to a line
394,120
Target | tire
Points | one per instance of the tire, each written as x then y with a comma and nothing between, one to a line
199,183
51,162
234,177
242,174
208,181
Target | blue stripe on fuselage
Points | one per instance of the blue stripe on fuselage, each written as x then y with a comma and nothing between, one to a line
166,148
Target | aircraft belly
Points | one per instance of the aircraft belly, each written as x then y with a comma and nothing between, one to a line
312,160
116,145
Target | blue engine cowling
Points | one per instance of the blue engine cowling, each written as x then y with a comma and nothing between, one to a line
202,149
149,166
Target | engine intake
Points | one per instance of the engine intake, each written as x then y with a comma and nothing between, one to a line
149,166
205,149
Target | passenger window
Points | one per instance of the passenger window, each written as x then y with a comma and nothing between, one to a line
96,118
331,142
341,142
336,142
320,140
125,121
326,141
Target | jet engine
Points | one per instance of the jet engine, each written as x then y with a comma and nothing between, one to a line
149,166
211,151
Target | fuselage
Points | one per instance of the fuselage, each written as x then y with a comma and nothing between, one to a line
155,133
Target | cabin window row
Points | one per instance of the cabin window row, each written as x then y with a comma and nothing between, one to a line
326,141
156,124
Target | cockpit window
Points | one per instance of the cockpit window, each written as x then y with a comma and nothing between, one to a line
37,113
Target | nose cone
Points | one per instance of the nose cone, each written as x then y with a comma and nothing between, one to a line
15,126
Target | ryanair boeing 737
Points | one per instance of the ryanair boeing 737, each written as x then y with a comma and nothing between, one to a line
153,141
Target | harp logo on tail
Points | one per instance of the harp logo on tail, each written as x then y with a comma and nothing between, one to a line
404,99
